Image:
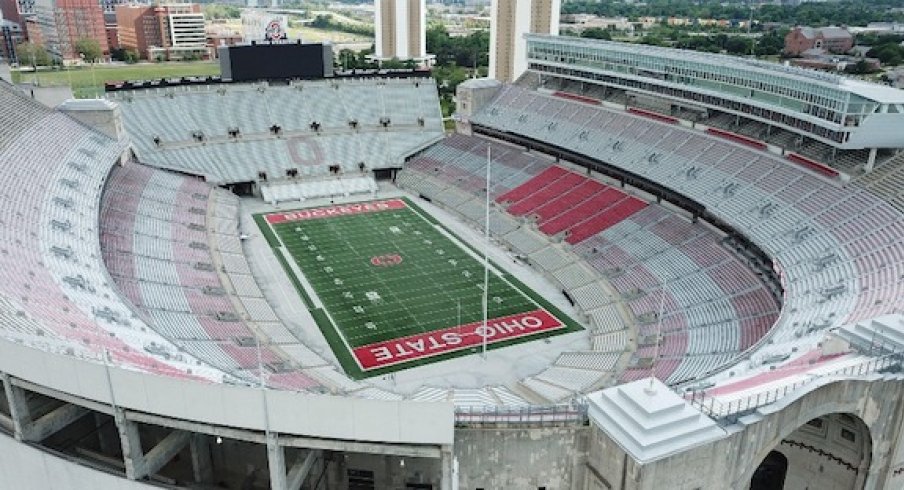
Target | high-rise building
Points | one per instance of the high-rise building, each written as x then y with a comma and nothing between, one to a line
11,34
63,22
510,20
168,31
401,30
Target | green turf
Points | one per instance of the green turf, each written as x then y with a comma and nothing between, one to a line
88,82
421,294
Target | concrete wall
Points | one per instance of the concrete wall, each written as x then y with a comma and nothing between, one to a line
498,459
24,467
329,417
730,463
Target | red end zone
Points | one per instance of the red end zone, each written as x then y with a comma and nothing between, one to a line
333,211
395,351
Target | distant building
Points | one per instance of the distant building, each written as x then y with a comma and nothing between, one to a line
258,25
26,7
831,39
896,78
63,22
510,20
819,60
168,31
9,10
400,28
111,28
11,34
222,36
579,22
109,6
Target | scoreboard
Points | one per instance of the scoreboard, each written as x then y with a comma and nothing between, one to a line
276,61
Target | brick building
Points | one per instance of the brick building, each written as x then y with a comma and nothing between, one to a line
62,23
9,10
830,39
11,34
169,31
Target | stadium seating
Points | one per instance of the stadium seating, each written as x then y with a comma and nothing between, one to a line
832,246
156,247
55,293
389,119
702,315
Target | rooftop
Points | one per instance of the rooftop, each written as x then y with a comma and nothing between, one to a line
880,93
650,421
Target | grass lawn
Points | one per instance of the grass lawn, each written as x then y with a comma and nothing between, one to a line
398,290
87,84
313,34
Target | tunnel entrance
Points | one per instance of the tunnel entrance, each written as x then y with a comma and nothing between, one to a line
771,473
829,452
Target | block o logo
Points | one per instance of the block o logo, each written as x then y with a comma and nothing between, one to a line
274,30
387,260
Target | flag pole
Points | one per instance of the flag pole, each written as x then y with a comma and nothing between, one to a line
486,257
658,337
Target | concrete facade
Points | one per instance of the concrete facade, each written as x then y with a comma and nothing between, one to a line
400,29
732,461
498,458
510,20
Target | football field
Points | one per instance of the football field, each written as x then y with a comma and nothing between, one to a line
399,290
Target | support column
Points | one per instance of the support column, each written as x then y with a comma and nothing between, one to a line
132,454
871,161
276,459
201,465
18,407
447,471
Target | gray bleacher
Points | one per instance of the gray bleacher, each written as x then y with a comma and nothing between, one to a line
175,114
793,228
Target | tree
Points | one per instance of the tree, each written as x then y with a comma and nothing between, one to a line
32,54
466,51
859,68
738,45
596,33
889,53
89,49
129,55
322,21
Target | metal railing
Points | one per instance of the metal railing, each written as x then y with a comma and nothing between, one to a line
569,414
711,406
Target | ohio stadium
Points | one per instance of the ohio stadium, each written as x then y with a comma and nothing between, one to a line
632,268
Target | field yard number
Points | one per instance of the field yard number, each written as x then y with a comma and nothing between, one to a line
386,260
